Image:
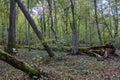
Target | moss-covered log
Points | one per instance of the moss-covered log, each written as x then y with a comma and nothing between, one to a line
13,61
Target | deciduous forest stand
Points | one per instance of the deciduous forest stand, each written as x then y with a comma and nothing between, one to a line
101,52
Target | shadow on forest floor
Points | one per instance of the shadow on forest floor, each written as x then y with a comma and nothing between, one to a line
62,67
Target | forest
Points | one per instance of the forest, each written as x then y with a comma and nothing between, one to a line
59,40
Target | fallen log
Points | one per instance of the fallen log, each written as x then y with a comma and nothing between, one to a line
13,61
101,52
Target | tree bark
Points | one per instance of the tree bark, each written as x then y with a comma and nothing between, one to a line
55,21
3,33
96,19
51,17
66,17
34,26
29,49
74,31
44,20
11,31
116,20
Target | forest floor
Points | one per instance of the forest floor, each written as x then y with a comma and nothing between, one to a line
63,67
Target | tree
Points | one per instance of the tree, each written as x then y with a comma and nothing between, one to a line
44,19
66,18
115,16
55,21
12,27
34,26
29,49
96,19
51,17
74,30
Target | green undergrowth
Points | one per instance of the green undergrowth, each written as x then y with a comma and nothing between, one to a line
54,47
65,67
73,66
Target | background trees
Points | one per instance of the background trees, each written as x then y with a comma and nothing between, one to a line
64,24
54,19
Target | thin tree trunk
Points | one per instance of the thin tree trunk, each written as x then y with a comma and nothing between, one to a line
90,29
3,34
34,26
96,19
11,33
116,20
51,17
3,25
56,26
66,14
110,23
86,24
29,49
90,34
40,21
44,23
103,26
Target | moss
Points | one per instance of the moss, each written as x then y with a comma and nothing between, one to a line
13,61
30,70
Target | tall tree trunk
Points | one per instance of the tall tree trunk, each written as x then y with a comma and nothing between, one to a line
116,20
96,19
11,31
55,21
34,26
40,22
89,26
110,23
3,23
29,49
51,17
74,30
86,26
66,14
105,23
44,22
3,33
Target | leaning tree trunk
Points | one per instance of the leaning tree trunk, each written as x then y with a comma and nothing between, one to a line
34,26
11,31
18,64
